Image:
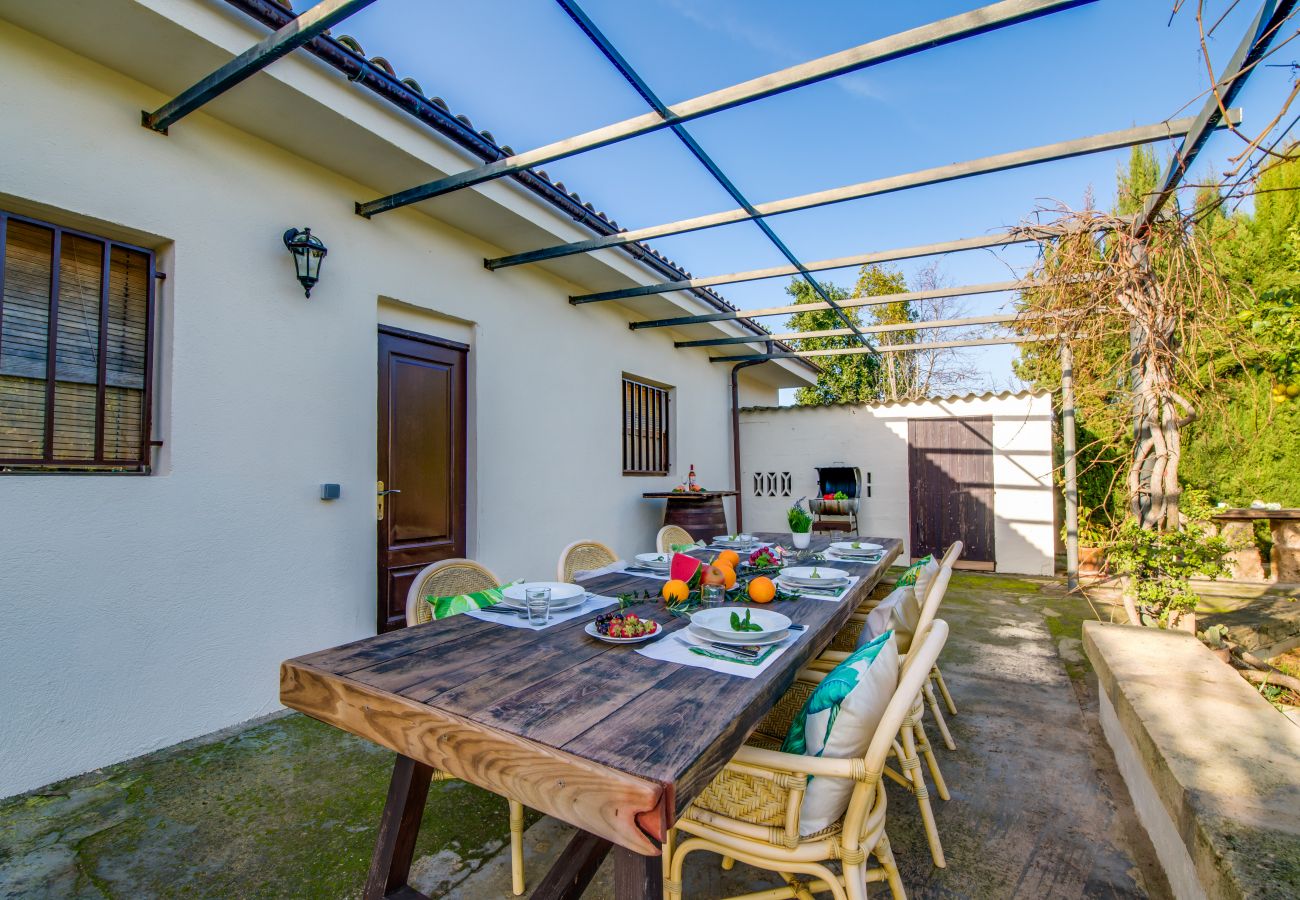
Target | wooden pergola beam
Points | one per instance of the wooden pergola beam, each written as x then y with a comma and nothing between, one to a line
884,348
1000,162
850,303
1272,14
1020,236
924,37
625,68
289,37
995,319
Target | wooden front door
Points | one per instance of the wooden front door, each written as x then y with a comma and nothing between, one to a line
950,465
421,460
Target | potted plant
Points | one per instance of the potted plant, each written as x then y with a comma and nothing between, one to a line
800,525
1092,544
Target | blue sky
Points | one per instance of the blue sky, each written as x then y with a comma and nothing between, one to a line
522,70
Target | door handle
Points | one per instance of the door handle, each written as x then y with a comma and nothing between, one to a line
380,494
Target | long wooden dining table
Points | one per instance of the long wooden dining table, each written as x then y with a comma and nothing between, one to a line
596,734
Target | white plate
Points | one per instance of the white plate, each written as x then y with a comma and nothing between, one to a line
563,596
827,575
591,630
718,621
704,637
653,560
828,591
856,548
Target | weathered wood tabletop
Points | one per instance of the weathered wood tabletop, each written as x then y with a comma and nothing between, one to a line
596,734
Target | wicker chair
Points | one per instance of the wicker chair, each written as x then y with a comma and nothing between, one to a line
846,641
913,745
450,578
751,810
583,556
671,535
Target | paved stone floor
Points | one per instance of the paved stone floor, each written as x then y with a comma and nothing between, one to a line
288,807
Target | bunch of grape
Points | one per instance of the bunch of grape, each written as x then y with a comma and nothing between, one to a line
625,625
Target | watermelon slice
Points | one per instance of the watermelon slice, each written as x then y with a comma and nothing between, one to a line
684,568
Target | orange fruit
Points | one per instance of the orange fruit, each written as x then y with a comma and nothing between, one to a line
762,590
728,574
728,558
676,591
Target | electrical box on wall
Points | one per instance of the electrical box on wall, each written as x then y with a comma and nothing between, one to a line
330,491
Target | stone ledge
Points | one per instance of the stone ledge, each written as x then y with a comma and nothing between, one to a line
1220,763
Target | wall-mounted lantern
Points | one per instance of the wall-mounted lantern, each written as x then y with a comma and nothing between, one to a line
308,251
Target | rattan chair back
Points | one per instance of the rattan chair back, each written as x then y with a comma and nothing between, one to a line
933,598
952,554
583,556
670,536
448,578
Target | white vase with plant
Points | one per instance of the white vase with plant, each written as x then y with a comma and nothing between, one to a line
800,525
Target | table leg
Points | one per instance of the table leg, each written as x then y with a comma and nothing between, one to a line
637,877
398,828
574,869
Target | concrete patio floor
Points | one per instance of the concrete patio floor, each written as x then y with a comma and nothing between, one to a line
288,807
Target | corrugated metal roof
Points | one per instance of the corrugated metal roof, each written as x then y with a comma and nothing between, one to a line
952,398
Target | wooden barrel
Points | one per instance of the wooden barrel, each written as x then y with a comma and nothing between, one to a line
703,519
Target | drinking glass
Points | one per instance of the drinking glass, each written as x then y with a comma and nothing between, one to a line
539,605
712,595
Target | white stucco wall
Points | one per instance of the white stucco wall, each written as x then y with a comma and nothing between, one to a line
140,611
874,438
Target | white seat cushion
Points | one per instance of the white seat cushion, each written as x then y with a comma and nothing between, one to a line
901,610
898,612
839,721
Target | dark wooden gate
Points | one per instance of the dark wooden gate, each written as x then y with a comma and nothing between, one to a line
950,466
422,399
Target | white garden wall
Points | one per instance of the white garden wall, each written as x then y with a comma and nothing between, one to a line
140,611
798,439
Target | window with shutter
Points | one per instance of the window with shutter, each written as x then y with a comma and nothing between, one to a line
76,329
645,428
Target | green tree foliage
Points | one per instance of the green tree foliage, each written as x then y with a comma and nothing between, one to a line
851,378
900,373
1245,445
1136,181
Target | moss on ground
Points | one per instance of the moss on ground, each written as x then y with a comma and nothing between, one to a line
286,808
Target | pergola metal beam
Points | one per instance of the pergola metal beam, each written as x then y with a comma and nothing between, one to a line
639,84
997,319
292,35
883,348
934,34
1112,140
1267,22
842,262
933,293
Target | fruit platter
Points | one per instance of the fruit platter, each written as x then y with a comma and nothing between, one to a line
766,558
622,628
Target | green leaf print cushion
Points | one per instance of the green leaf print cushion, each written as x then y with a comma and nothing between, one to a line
909,576
451,606
839,721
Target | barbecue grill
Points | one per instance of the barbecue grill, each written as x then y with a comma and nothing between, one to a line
838,515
